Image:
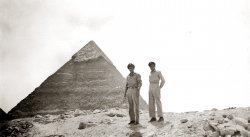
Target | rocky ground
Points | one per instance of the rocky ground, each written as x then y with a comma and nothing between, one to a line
230,122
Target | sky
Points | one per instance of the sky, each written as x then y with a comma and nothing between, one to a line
202,47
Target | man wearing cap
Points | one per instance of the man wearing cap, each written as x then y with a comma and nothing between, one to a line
132,92
154,93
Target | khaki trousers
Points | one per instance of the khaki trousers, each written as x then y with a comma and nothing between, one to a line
133,101
155,97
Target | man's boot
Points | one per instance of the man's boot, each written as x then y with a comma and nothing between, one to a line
131,122
152,119
161,119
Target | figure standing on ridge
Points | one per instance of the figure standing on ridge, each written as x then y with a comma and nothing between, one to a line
132,92
155,93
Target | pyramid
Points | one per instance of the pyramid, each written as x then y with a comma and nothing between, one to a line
88,81
3,115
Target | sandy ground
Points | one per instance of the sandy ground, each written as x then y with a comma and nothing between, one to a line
114,123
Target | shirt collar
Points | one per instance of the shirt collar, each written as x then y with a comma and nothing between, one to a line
153,71
132,74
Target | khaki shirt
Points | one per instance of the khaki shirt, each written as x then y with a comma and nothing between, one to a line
155,77
133,81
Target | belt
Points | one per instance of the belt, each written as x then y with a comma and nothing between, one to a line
132,87
154,82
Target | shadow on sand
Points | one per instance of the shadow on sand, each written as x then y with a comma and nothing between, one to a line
136,130
160,124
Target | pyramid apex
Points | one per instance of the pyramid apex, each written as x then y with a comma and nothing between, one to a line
90,51
91,41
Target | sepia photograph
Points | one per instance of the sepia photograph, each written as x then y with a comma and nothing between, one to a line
134,68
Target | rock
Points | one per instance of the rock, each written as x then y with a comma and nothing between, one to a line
212,118
38,116
248,119
207,127
111,114
190,126
230,108
245,133
230,117
214,109
96,111
227,131
47,116
215,134
105,110
214,126
224,115
248,127
207,133
120,115
16,129
62,116
36,120
220,121
184,121
239,128
82,125
78,112
240,121
226,120
69,116
212,114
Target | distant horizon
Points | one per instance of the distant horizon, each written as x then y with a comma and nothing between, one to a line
201,47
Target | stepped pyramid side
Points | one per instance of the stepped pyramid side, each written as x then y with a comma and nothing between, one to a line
88,81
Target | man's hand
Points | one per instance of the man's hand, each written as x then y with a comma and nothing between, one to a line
125,94
138,89
124,98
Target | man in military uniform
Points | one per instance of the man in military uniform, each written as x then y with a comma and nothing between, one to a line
155,93
132,92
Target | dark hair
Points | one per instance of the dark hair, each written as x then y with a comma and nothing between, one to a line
130,65
151,63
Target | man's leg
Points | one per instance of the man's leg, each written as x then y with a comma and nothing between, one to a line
131,105
158,101
135,97
151,104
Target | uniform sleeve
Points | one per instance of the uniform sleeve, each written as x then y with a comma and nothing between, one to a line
162,79
139,81
126,86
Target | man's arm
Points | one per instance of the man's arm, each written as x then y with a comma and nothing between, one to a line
162,80
126,88
139,81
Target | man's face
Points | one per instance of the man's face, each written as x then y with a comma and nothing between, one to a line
152,67
131,69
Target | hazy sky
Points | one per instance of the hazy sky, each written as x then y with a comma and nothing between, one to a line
200,46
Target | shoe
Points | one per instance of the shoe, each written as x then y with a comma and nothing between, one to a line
152,119
136,123
161,119
131,122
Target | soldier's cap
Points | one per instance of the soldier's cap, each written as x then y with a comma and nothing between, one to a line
130,65
151,63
